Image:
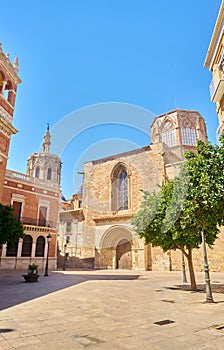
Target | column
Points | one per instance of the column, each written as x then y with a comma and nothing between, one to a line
33,251
4,248
19,250
3,87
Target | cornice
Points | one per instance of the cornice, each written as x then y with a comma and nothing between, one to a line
12,71
114,216
7,127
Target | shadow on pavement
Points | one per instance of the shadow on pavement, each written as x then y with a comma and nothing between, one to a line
13,289
216,288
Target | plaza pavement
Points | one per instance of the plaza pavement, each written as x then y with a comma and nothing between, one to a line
105,310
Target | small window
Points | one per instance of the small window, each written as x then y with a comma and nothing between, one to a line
67,239
68,226
40,245
49,174
27,246
37,172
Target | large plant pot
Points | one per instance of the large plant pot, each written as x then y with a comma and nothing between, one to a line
31,278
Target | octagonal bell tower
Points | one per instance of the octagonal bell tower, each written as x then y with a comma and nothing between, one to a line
179,130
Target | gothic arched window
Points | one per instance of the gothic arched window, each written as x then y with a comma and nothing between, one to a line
168,134
119,196
27,246
49,174
37,172
188,133
40,246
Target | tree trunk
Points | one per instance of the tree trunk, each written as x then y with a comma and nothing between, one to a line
191,269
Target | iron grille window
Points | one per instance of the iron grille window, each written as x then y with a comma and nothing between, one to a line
40,245
27,246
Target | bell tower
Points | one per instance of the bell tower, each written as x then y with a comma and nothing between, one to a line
9,81
45,166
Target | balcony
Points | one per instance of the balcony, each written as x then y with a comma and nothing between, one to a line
217,86
37,222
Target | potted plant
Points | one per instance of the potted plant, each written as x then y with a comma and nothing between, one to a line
32,275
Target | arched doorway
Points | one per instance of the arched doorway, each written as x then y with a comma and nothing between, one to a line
115,249
124,255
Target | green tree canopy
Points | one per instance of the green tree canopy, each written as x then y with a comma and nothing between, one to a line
10,228
175,217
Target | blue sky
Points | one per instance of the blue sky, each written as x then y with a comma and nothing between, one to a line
78,53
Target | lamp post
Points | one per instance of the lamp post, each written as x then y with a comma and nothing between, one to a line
209,298
64,259
48,242
183,269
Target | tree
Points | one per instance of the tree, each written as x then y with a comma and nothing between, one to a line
10,228
187,209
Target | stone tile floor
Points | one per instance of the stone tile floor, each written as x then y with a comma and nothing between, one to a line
108,310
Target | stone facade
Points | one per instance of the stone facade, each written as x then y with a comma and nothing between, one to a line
112,193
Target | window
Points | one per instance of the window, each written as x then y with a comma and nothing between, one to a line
49,174
119,189
12,249
17,207
27,246
37,172
40,245
189,137
168,135
67,239
42,216
68,226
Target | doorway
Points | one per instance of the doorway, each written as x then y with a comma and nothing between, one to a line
124,255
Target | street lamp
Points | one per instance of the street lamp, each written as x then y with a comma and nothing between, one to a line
48,242
64,260
183,269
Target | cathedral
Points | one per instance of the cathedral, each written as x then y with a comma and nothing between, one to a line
93,229
111,194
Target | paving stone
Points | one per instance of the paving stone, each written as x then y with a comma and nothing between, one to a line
106,314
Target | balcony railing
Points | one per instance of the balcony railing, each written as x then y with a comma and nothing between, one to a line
216,86
37,222
26,178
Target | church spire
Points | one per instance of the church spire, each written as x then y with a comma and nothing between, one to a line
46,142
